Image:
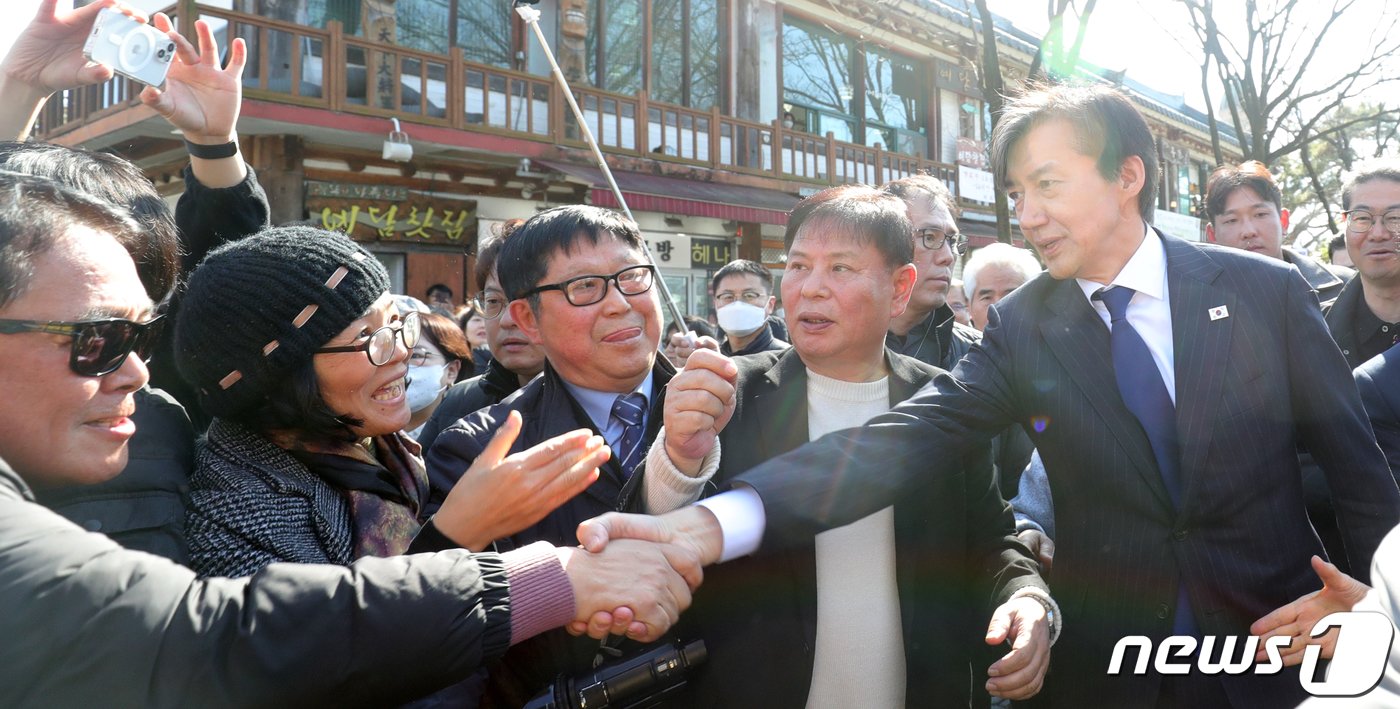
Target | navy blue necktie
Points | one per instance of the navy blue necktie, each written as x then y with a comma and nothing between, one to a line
1146,395
630,410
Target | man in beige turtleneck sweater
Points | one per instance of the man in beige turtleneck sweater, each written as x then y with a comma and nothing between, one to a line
887,611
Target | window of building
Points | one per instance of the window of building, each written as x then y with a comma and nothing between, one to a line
860,94
613,47
894,103
962,116
424,24
685,52
817,80
483,31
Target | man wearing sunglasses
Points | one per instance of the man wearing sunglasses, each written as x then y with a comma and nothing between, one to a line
579,286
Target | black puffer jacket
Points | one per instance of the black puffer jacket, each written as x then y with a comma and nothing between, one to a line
88,623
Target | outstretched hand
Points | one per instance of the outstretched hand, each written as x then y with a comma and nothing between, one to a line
200,98
1296,620
502,494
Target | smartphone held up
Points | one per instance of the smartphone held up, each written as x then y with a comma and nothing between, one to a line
132,48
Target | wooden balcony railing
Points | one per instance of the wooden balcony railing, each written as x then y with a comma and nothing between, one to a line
326,68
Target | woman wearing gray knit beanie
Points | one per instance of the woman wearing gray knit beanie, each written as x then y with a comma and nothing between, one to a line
293,342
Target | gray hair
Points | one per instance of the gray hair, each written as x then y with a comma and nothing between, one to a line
1004,255
1369,171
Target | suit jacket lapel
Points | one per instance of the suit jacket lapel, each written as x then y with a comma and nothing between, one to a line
781,407
1201,346
1079,340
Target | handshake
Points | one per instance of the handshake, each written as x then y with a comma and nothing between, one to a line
635,574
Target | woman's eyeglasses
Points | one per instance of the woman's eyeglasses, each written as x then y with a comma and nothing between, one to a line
99,347
379,347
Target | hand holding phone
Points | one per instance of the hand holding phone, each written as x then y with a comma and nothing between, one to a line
130,47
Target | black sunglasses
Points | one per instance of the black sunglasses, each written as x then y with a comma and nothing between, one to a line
99,347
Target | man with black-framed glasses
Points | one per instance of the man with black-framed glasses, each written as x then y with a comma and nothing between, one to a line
580,287
514,359
927,331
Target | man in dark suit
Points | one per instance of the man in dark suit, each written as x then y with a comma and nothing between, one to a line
581,288
890,610
1164,383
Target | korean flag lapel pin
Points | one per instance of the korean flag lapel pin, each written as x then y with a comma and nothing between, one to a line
1219,312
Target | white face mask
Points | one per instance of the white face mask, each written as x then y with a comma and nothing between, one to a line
739,319
424,385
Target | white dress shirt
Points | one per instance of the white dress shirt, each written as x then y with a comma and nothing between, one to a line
1150,310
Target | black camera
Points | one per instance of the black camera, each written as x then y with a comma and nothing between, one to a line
629,683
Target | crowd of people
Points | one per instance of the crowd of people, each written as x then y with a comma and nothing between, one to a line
236,469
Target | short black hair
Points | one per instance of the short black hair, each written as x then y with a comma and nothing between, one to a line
1381,169
1225,180
491,250
439,287
868,215
1106,124
923,186
1337,244
35,214
524,258
155,248
739,266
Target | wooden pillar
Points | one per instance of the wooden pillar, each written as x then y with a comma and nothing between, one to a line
751,241
279,162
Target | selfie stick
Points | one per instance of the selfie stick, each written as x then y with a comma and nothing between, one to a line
531,16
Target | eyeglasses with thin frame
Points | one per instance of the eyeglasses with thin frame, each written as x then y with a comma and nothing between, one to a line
752,297
420,357
933,240
490,303
379,346
99,347
587,290
1361,221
